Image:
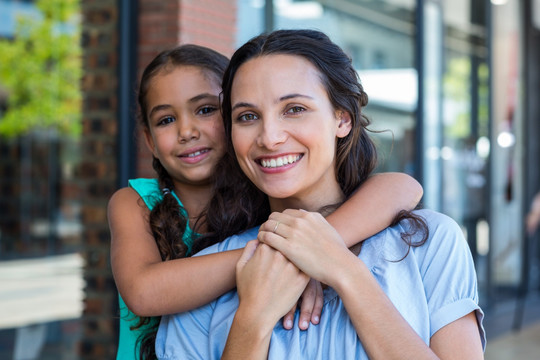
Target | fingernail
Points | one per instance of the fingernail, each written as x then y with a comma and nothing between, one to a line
304,324
288,324
316,319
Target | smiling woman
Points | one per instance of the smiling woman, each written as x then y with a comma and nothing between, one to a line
287,118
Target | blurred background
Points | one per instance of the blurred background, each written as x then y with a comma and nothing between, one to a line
456,83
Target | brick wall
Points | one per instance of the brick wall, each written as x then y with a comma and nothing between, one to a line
97,174
158,28
162,24
168,23
210,23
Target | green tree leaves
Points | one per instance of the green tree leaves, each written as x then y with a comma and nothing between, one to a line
40,68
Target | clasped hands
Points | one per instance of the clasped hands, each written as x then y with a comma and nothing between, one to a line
294,253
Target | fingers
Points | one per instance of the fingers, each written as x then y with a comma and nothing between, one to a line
288,319
274,231
319,302
275,225
247,254
311,307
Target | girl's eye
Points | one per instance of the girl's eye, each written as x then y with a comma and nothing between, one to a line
166,120
247,117
295,110
207,110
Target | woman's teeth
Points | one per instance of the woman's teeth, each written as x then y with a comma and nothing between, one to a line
280,161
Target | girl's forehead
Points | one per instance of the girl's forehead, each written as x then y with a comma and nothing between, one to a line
186,74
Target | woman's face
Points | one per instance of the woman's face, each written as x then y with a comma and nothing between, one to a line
185,130
284,130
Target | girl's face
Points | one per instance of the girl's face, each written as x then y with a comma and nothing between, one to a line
284,131
185,128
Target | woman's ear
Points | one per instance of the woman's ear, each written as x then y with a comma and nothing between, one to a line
345,123
149,142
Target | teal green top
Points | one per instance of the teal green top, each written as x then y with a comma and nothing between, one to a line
128,349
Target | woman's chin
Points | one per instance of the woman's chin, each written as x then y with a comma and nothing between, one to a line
278,193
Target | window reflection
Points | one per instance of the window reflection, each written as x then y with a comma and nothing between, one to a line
41,266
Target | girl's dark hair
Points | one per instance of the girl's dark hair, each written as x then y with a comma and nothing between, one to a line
167,222
356,155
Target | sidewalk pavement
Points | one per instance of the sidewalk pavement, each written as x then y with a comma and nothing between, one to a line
523,344
513,329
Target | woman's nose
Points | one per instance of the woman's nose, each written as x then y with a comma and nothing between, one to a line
271,133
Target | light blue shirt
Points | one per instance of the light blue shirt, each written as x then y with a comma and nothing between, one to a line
431,287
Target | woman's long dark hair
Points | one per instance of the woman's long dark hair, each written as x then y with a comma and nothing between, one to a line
356,155
167,222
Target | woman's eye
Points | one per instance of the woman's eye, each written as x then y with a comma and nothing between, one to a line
295,110
166,120
247,117
207,110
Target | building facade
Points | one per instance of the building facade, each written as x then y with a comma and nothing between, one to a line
452,85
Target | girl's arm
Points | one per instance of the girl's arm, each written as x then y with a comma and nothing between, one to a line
374,205
151,287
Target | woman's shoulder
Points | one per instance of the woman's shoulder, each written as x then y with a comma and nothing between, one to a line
444,236
445,241
438,226
435,218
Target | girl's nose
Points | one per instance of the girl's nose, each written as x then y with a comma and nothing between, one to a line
187,130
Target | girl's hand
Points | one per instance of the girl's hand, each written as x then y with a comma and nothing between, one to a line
307,240
311,303
268,284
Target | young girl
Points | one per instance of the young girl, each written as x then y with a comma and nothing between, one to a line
154,222
293,94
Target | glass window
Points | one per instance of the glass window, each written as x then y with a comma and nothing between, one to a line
465,146
507,152
41,268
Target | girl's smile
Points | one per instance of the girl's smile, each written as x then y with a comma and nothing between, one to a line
193,156
185,127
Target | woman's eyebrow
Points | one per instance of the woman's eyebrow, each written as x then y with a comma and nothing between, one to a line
242,105
292,96
282,98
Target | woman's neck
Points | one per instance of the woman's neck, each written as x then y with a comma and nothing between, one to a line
310,202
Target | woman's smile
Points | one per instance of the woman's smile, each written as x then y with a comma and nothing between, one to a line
279,163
